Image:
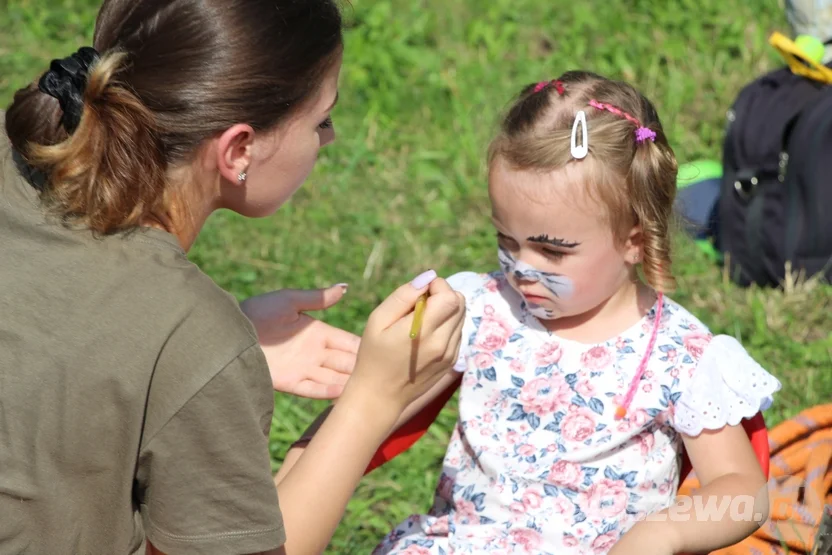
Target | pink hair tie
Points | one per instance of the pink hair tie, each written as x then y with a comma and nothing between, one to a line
543,84
644,133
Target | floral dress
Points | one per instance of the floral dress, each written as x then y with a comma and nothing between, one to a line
537,461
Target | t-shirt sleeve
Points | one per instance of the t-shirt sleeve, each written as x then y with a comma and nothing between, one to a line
472,286
204,480
726,386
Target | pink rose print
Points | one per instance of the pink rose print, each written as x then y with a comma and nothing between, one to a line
565,473
578,425
604,542
647,388
532,500
640,417
493,334
492,286
696,342
674,373
564,506
646,442
671,355
543,395
466,510
527,538
517,508
550,353
513,437
483,360
526,450
416,550
493,400
569,540
605,498
517,366
585,388
597,358
440,527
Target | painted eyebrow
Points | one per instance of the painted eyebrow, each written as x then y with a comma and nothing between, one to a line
554,241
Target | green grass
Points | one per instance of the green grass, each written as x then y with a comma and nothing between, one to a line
403,189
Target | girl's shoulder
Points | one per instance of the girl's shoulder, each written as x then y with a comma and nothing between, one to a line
719,382
683,332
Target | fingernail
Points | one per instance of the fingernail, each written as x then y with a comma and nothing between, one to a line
424,279
343,286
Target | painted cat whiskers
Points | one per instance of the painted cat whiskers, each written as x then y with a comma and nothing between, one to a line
558,285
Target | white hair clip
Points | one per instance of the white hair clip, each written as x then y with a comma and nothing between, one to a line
580,151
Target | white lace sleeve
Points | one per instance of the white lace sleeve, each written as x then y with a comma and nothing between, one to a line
469,284
726,387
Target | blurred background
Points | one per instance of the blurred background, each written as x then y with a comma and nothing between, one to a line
403,188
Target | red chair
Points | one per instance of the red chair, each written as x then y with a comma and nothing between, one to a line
406,436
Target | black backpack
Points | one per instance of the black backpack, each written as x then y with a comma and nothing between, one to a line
776,189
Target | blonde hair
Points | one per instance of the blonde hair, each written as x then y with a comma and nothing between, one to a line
634,180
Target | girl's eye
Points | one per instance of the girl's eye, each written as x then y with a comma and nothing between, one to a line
505,242
326,124
554,255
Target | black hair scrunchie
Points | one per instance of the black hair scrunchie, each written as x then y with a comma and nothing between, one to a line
66,81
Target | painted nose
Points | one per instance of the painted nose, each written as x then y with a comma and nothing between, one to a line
526,275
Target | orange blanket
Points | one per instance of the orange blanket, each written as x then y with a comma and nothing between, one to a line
800,488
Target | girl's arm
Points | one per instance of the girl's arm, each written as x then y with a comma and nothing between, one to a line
730,505
297,449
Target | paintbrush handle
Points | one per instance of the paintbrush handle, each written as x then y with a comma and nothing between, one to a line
418,313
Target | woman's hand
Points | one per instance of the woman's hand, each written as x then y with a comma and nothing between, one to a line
391,371
306,357
394,370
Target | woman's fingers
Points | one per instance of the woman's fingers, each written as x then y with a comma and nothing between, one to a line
339,361
313,389
400,302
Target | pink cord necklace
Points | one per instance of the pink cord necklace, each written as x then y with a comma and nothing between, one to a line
621,411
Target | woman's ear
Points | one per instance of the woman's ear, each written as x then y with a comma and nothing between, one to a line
233,153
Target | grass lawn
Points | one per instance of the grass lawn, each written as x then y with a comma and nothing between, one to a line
403,189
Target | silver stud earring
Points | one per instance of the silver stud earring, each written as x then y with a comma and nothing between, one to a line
242,177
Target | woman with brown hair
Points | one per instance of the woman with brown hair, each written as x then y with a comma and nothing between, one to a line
135,397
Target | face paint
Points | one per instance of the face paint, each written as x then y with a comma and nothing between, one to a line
559,286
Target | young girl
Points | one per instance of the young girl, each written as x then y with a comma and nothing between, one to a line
582,384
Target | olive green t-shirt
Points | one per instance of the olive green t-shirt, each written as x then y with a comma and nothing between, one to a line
134,399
